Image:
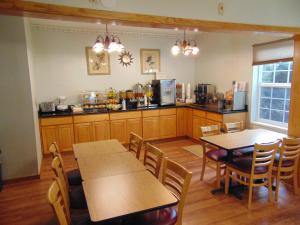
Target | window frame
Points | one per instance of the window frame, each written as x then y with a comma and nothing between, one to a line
258,71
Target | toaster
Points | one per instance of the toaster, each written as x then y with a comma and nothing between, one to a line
47,107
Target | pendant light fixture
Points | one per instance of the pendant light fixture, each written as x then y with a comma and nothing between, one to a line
110,43
185,46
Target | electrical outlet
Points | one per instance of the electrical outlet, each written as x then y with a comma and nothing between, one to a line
221,8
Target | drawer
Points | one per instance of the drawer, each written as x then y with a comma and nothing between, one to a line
214,116
56,121
150,113
199,113
166,112
91,118
125,115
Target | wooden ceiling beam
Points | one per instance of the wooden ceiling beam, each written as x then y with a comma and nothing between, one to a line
60,12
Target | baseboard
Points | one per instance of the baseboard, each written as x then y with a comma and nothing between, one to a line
20,179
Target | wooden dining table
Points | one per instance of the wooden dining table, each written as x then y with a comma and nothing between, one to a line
116,184
240,140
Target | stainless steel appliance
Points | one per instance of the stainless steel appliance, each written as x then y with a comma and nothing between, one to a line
47,107
204,92
164,92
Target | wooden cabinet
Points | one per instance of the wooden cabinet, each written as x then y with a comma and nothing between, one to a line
189,122
197,123
59,130
151,128
65,137
167,126
83,132
134,125
118,130
101,130
181,122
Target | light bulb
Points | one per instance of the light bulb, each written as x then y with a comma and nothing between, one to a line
195,50
187,50
113,46
98,47
120,47
175,49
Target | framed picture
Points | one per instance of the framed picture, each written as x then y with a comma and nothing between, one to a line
97,63
150,61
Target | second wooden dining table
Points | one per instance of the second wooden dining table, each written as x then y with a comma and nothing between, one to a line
116,184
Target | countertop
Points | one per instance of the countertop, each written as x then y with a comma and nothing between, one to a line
208,108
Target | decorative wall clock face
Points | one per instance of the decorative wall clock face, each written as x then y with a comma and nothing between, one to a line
126,58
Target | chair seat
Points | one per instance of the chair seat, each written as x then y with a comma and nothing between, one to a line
244,152
217,154
74,177
285,163
245,165
167,216
77,198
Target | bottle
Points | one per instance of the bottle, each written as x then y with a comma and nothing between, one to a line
123,104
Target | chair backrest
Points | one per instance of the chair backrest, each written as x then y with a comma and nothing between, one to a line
60,173
233,127
135,144
264,155
153,159
58,204
209,130
177,179
54,150
290,150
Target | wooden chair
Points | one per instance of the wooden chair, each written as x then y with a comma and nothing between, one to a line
247,170
153,159
233,127
211,153
73,176
237,127
74,196
286,163
177,179
135,144
62,211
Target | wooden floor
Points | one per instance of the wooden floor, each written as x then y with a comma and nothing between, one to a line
25,203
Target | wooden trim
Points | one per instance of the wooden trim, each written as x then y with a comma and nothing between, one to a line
60,12
273,42
272,61
20,179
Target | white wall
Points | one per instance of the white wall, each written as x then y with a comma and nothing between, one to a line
17,133
270,12
60,62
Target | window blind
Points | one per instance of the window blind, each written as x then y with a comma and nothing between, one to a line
272,52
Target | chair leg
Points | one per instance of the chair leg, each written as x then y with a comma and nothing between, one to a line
250,193
277,188
227,180
270,192
295,184
203,167
218,175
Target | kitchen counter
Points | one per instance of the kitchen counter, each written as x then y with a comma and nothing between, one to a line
208,108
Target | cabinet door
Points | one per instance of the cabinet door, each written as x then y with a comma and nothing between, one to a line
197,123
101,130
65,137
151,128
181,122
118,130
83,132
49,135
189,122
167,126
134,125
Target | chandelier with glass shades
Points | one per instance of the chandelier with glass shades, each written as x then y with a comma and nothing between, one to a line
185,46
110,43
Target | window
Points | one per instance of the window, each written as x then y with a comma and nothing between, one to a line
273,84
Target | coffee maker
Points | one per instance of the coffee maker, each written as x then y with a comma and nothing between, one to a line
204,92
